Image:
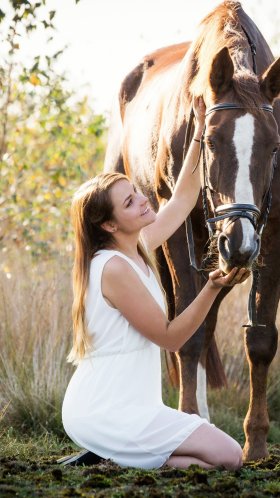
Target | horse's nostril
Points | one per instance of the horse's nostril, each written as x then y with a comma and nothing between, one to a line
224,246
236,255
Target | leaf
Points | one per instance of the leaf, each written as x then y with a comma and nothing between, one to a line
2,15
34,67
52,14
57,54
34,79
46,24
62,181
31,27
58,193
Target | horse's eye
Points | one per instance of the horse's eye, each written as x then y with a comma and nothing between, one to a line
275,149
210,144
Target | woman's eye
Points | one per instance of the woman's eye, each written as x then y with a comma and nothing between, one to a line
129,202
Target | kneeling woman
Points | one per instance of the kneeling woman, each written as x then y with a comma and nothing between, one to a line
113,404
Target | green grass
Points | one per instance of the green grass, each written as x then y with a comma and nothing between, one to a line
29,469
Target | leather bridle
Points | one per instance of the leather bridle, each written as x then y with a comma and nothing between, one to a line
232,212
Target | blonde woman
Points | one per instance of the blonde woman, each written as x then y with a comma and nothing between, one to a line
113,406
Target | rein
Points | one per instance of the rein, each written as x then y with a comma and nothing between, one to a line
258,217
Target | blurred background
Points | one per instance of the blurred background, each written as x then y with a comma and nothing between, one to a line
61,64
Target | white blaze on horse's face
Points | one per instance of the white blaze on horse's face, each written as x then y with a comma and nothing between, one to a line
243,140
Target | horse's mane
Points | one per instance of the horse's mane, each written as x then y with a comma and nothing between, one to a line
222,28
161,59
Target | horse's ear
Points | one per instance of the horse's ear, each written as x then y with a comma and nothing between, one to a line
221,73
270,81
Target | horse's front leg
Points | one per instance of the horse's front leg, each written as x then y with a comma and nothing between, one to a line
210,368
186,285
261,346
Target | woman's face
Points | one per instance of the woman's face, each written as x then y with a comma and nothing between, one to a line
132,210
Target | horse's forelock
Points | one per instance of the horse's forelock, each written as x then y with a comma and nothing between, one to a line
247,90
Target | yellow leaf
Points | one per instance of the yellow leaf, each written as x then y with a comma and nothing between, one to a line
47,196
34,80
58,193
62,181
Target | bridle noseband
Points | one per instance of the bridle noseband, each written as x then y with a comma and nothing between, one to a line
235,210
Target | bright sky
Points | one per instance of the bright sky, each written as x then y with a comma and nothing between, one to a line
107,38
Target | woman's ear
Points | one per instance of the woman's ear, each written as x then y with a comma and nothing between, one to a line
109,226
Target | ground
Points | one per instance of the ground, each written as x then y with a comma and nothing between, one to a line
35,474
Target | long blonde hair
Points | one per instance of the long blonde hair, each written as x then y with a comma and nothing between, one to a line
91,207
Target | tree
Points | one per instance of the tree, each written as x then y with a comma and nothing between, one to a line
50,142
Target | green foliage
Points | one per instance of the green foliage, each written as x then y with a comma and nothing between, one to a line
50,142
50,150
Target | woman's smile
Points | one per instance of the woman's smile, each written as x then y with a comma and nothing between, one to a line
147,210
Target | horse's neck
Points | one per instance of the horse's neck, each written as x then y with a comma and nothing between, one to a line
264,55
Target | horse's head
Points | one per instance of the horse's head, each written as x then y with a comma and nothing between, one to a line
240,144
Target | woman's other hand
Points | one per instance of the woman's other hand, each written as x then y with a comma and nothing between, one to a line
236,276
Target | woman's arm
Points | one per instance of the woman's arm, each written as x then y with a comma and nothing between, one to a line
122,287
172,214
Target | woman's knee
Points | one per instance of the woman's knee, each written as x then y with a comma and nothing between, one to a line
233,457
228,452
213,446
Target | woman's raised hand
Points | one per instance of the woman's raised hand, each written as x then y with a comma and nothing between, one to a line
236,276
199,110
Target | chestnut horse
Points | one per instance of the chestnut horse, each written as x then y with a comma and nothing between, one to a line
232,67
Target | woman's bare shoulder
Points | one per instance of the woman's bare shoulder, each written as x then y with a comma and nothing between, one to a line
116,266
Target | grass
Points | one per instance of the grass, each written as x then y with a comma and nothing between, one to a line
35,332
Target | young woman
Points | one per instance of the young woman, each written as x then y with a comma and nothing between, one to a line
113,405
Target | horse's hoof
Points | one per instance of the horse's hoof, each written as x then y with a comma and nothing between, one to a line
85,457
253,454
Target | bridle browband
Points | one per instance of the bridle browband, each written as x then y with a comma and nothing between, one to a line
231,105
232,212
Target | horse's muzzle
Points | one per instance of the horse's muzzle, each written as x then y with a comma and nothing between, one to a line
232,257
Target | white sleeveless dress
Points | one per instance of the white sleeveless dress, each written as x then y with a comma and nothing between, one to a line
113,404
